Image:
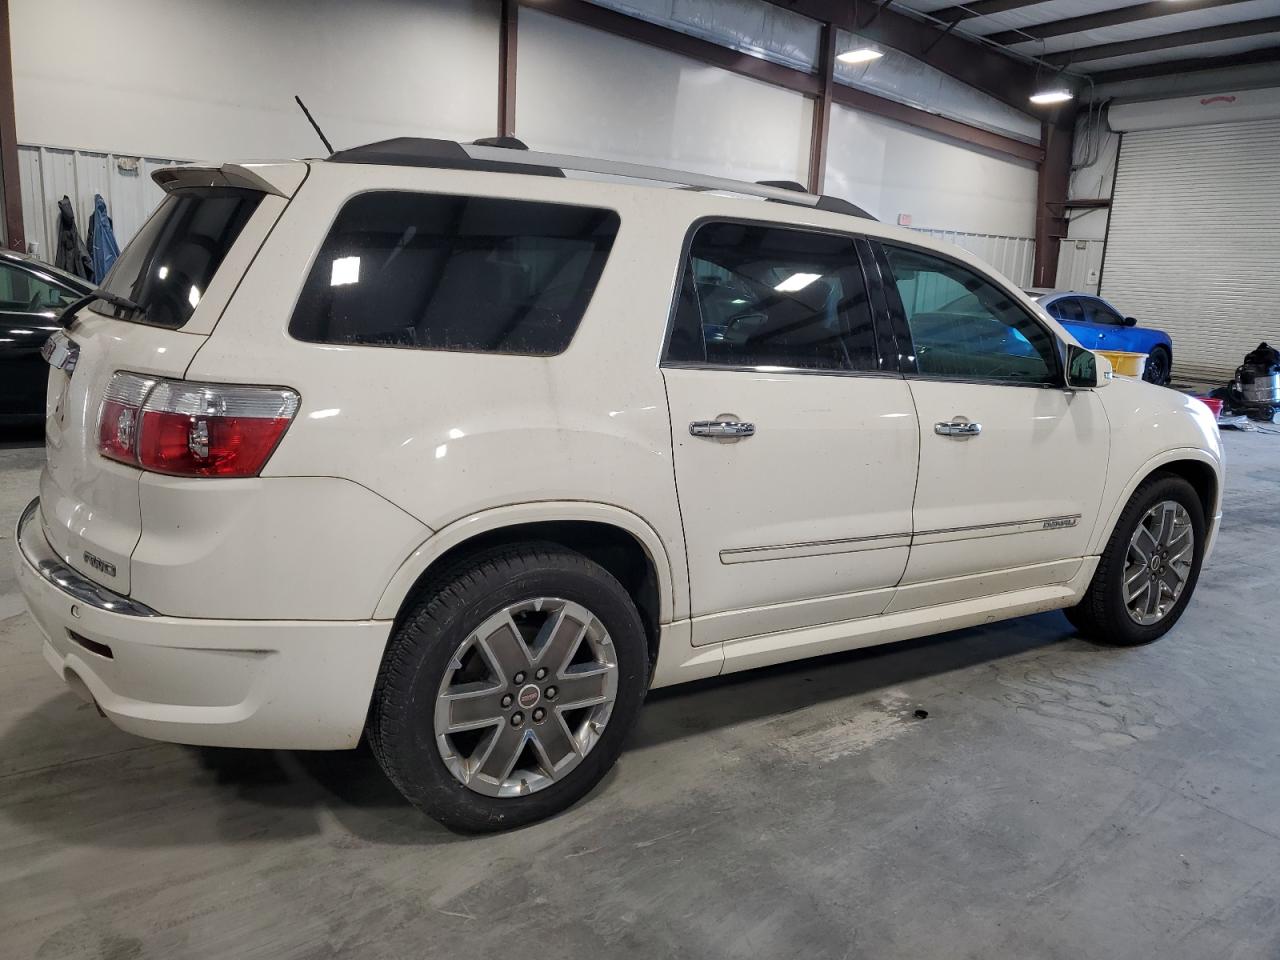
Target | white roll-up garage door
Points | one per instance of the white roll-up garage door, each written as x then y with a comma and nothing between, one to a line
1194,241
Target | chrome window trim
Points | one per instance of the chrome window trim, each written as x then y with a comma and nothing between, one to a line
786,371
49,566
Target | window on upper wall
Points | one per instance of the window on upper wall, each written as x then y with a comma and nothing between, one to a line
437,272
764,296
963,326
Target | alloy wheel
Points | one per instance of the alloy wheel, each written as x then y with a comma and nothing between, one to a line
1158,562
525,697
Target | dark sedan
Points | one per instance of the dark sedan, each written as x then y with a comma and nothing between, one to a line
31,295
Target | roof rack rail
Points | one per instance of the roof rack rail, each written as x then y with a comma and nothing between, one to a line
509,155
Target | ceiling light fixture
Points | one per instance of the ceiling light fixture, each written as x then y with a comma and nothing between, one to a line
1060,95
859,55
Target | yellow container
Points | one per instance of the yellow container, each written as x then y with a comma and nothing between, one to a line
1124,363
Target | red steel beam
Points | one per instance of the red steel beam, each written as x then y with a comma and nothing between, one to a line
508,33
14,231
822,110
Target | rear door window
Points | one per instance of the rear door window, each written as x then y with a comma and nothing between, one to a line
1068,309
436,272
168,266
765,296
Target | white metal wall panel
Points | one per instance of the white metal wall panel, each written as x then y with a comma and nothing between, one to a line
1193,247
49,173
1079,265
1012,256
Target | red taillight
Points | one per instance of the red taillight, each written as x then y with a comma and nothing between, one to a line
118,421
193,429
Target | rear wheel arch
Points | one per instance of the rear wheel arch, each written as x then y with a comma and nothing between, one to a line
627,547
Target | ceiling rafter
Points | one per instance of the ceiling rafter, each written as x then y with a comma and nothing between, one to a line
979,8
1147,71
1166,41
1108,18
1001,75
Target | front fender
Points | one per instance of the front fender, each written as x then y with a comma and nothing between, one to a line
1152,427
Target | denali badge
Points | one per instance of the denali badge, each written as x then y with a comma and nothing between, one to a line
1057,523
99,564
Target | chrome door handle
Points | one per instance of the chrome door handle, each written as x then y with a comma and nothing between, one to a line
722,428
957,428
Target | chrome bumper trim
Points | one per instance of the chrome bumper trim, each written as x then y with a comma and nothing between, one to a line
37,552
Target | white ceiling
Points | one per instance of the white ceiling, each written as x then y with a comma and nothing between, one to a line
1175,21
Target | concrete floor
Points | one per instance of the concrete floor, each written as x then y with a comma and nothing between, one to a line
1060,801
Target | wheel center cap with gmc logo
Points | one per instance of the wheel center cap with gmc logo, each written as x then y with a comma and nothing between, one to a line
528,696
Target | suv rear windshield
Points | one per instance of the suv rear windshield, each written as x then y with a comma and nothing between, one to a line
168,266
437,272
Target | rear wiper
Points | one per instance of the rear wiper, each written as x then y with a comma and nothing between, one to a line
116,300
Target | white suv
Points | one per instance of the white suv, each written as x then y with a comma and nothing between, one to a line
433,442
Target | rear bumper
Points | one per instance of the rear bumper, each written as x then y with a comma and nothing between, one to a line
283,684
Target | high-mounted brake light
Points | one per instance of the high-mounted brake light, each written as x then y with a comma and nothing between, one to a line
193,429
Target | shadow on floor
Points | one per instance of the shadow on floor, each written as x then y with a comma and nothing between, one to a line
144,794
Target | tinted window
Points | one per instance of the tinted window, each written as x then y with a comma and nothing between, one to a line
965,326
22,292
454,273
168,266
755,295
1068,309
1098,312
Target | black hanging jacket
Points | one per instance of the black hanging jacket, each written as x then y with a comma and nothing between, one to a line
73,256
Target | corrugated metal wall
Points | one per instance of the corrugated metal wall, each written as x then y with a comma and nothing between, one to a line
1193,247
1079,265
49,173
1012,256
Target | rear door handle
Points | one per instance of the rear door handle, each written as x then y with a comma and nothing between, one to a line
957,428
722,429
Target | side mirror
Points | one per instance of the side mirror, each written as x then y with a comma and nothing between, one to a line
1130,321
1086,369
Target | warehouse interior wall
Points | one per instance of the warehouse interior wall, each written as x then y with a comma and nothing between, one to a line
975,199
385,68
646,105
216,78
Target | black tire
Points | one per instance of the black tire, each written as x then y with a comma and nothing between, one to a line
402,716
1102,615
1159,368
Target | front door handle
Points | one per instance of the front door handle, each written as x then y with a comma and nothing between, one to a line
959,428
722,429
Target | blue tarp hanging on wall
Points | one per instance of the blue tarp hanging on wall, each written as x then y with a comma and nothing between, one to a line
103,248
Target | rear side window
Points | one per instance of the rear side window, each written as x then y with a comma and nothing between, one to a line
755,295
436,272
168,266
1068,309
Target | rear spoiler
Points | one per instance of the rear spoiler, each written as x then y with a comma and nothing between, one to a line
279,179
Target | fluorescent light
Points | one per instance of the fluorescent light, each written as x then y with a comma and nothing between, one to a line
344,270
859,55
797,281
1052,96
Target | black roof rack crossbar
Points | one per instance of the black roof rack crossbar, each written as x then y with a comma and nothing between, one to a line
509,155
447,154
